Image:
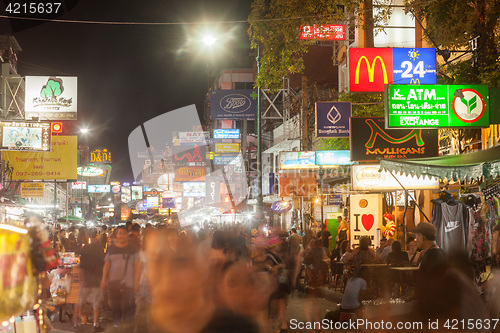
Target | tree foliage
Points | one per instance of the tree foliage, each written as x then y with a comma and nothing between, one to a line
275,27
453,24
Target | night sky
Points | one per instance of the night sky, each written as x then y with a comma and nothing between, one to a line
127,74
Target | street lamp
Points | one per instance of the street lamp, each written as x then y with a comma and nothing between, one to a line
84,131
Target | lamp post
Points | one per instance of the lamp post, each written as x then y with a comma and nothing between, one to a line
260,203
84,132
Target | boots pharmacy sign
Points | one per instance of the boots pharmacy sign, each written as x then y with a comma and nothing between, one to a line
372,68
436,106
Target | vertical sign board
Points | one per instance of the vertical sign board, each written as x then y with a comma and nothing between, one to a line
332,119
436,106
212,190
365,216
371,68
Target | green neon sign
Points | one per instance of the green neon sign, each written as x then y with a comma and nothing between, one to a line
435,106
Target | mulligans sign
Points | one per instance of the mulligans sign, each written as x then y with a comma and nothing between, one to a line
436,106
51,98
370,141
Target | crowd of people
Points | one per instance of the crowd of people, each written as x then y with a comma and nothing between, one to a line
233,279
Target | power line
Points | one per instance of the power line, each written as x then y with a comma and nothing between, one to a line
158,23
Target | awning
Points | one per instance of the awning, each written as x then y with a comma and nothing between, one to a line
452,167
287,145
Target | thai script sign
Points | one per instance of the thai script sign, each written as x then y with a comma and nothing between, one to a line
323,32
227,147
99,188
233,104
436,106
372,68
333,157
32,190
58,163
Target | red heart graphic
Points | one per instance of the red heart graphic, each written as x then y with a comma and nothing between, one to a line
367,221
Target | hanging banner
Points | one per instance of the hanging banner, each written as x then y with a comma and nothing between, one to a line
32,190
233,104
437,106
372,68
365,216
332,119
59,163
370,141
50,97
20,135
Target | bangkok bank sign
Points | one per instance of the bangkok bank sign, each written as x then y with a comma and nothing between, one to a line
372,68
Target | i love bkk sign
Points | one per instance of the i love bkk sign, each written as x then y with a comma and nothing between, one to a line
434,106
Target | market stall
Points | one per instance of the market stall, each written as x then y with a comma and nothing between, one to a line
471,217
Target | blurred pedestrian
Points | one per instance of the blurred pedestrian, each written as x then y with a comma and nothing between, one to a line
120,276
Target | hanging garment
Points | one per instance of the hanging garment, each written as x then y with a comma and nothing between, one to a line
451,226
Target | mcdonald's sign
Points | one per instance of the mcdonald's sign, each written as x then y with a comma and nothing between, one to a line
370,69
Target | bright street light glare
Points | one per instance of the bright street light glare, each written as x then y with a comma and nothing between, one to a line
84,130
209,40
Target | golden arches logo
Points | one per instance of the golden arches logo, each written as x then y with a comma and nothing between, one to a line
371,69
415,81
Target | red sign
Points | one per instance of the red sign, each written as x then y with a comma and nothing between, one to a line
323,32
190,174
370,69
302,184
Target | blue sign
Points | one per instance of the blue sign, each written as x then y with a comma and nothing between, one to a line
168,203
233,104
334,200
99,188
414,66
333,157
226,133
332,119
227,159
281,206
